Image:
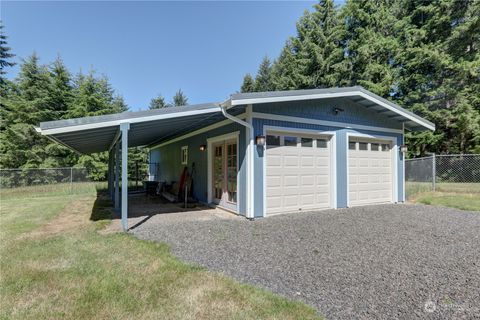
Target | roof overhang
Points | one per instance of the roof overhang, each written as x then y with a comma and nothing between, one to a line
97,134
357,94
154,127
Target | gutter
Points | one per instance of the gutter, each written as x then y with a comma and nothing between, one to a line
251,157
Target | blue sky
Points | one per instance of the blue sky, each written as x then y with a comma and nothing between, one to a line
146,48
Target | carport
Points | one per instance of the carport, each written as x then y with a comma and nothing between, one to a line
117,132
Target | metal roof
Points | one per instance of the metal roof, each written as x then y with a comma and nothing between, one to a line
96,134
357,94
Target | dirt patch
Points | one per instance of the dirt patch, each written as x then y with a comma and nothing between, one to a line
75,215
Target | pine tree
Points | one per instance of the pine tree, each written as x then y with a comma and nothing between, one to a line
263,78
315,56
248,84
157,103
5,54
180,99
439,74
29,105
370,44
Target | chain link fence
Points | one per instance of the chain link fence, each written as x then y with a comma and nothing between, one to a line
458,173
35,182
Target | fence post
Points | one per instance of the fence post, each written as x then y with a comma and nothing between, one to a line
71,180
434,171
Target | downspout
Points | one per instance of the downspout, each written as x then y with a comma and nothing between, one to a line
251,174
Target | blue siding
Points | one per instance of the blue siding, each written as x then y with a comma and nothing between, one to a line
170,167
321,110
169,156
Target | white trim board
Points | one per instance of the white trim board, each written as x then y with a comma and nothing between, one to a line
333,160
333,95
112,123
343,125
199,131
210,142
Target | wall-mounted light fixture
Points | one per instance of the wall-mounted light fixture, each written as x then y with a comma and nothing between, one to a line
403,148
203,147
260,140
337,110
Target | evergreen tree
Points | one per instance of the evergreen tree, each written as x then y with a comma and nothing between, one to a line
31,104
94,96
370,44
263,78
248,84
157,103
5,54
180,99
315,56
439,74
423,54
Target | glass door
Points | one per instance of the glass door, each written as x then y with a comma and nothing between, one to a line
218,173
232,172
225,170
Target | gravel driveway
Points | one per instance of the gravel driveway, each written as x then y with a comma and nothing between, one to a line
372,262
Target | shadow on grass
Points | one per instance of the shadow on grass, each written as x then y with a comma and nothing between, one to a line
102,207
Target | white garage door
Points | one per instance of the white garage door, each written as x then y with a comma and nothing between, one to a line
297,172
370,171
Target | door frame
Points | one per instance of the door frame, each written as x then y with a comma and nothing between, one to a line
394,161
210,142
333,160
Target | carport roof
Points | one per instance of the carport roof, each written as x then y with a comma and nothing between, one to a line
98,133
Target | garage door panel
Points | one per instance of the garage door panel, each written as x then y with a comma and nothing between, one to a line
307,180
290,161
307,161
370,175
273,181
298,177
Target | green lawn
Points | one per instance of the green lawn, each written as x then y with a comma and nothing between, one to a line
463,201
57,263
464,196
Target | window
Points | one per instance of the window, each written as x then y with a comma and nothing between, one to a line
362,146
375,147
385,147
290,141
352,145
322,143
307,142
273,141
184,155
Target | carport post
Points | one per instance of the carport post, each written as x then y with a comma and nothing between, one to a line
110,171
117,177
124,127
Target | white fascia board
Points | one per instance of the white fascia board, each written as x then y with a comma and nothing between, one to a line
112,123
194,133
333,95
345,125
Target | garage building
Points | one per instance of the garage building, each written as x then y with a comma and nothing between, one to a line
263,153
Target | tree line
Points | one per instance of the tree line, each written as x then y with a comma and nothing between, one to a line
46,92
421,54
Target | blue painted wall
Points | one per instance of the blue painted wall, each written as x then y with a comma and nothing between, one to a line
168,156
170,167
322,110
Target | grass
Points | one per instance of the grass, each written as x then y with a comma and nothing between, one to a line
58,262
464,196
462,201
